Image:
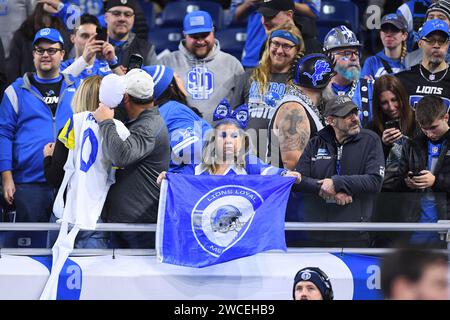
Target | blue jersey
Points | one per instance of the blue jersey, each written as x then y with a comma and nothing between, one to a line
256,35
94,7
186,132
374,67
99,68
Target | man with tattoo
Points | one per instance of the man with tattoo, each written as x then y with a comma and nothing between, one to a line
342,170
298,117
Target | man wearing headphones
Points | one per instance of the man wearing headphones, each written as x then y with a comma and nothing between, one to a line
312,284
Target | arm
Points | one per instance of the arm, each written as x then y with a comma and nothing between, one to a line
242,10
308,9
372,180
54,164
292,128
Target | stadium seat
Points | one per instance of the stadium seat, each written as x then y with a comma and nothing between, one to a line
165,38
149,12
232,41
335,13
174,12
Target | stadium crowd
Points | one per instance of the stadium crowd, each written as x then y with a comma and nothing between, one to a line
356,110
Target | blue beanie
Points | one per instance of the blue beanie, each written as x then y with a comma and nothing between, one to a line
162,77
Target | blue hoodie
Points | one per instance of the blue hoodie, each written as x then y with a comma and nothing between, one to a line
374,67
27,125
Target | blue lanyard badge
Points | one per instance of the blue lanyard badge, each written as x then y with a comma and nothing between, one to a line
433,154
338,160
3,7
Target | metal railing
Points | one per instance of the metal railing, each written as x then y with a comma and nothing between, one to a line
442,227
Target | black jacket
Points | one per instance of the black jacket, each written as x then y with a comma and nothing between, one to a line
361,176
415,158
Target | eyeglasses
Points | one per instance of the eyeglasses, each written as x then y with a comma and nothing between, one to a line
50,51
348,53
284,46
433,41
118,13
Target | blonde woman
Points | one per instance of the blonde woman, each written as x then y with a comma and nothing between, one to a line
391,59
266,85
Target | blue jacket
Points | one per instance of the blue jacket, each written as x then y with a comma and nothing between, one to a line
186,132
100,68
27,125
373,66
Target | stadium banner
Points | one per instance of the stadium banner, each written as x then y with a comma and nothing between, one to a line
264,276
206,220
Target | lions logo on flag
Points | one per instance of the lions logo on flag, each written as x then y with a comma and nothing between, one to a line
218,225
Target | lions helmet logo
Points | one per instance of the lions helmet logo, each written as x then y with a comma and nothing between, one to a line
320,68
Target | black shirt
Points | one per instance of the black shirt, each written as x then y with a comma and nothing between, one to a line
49,89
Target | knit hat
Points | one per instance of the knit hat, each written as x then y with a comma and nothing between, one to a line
162,77
442,6
120,3
318,277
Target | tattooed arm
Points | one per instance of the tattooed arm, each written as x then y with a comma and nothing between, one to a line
293,131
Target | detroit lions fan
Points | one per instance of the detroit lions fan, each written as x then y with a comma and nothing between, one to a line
431,77
312,284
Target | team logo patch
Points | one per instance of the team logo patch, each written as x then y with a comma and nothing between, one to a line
222,217
45,32
320,68
306,275
200,83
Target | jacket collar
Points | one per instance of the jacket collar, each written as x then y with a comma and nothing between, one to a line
329,135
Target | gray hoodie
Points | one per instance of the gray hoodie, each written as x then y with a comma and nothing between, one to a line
207,80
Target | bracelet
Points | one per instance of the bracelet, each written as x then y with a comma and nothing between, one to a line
114,63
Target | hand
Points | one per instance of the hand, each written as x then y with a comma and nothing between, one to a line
295,174
48,149
161,177
9,187
342,198
103,113
369,77
390,136
108,51
327,189
50,6
92,47
425,180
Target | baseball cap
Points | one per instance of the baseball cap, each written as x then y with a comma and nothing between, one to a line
396,20
442,6
270,8
162,78
197,22
432,26
139,84
121,3
339,106
49,34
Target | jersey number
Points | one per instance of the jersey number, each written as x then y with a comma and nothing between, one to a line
89,134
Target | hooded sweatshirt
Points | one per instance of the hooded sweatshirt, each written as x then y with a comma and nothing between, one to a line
207,80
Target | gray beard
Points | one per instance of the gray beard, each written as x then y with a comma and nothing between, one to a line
328,94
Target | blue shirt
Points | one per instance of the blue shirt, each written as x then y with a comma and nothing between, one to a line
99,68
374,67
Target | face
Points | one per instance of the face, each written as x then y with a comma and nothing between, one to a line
119,20
200,44
438,15
347,126
278,20
282,52
347,63
84,32
435,47
229,142
437,129
434,283
390,105
391,36
49,60
306,290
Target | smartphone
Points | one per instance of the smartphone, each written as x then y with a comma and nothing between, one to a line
392,124
101,34
135,61
414,173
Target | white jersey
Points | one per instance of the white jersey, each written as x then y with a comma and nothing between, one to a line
88,172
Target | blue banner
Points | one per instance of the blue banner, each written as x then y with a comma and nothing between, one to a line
206,220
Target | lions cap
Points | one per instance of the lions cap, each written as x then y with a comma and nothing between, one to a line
432,26
49,34
396,20
339,106
197,22
139,84
270,8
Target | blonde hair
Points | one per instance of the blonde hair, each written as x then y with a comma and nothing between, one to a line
210,160
86,98
262,72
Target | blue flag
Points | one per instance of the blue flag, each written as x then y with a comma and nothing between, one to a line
206,220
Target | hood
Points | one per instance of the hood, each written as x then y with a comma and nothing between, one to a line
212,54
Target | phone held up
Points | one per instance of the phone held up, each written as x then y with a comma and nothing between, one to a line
414,173
101,34
135,61
392,124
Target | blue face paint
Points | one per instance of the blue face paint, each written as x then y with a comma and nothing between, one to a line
352,74
344,59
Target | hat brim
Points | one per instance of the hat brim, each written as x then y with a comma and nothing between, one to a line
436,30
345,110
48,40
268,12
198,30
396,24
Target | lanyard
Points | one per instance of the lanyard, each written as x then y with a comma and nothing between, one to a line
338,159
